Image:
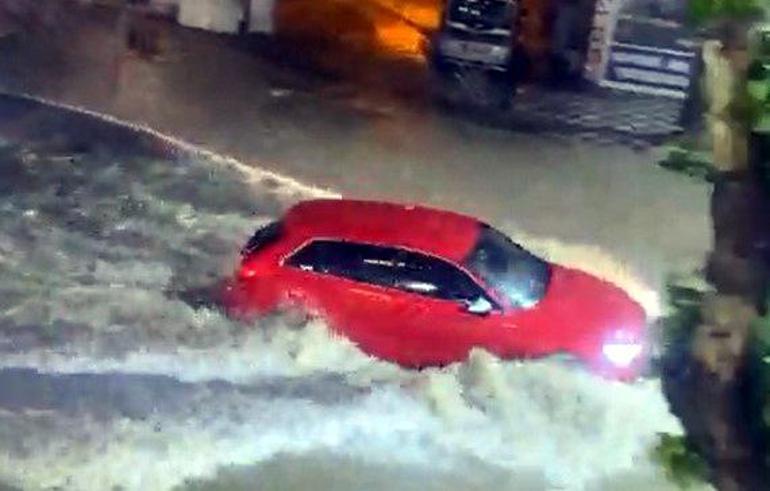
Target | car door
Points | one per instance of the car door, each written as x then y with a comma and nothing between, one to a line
396,304
451,313
349,285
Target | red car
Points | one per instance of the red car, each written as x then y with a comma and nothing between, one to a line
422,287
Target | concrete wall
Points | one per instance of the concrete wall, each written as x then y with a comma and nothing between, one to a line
262,16
212,15
225,15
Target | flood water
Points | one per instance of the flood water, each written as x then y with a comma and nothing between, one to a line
120,372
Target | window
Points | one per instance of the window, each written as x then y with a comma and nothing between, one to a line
511,270
389,267
444,280
262,238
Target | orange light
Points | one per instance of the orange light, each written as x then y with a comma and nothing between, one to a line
399,39
396,28
425,15
401,26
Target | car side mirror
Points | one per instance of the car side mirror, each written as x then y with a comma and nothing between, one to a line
480,306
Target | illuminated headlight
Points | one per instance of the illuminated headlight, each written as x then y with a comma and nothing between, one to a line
622,354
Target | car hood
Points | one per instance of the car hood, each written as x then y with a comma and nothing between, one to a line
590,310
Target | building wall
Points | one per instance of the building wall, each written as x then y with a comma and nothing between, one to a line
212,15
262,16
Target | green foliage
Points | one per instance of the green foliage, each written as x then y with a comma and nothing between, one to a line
758,94
694,163
703,11
680,461
684,296
746,109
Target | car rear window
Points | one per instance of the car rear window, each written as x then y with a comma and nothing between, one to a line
263,237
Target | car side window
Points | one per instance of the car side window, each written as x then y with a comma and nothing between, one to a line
437,278
389,267
345,259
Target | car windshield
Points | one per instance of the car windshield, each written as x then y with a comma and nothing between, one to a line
507,267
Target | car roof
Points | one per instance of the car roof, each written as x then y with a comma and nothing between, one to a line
437,232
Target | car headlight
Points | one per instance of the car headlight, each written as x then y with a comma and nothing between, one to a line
622,354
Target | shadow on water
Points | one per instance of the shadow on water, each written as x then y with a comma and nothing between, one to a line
70,132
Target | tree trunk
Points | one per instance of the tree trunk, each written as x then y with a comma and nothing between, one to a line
710,392
725,75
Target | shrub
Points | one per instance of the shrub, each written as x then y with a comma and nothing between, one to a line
678,457
684,295
702,11
688,161
682,464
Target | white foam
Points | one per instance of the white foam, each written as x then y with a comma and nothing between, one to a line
567,426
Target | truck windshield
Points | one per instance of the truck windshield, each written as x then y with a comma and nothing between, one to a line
482,14
511,270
